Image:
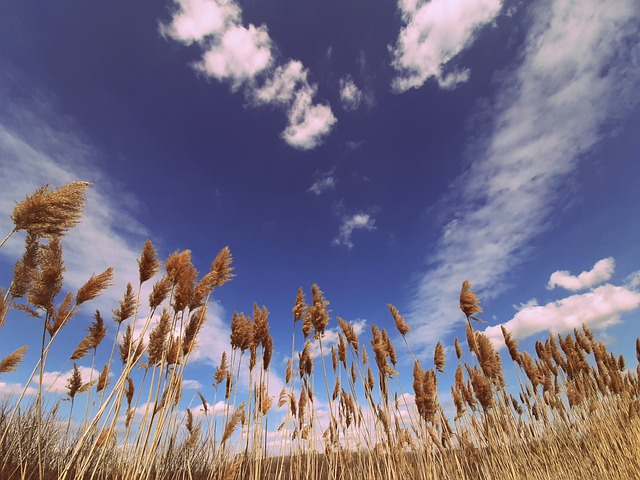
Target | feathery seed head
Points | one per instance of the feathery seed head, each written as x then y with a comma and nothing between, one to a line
127,306
468,300
159,292
51,213
300,307
401,325
11,361
148,265
95,285
221,268
439,358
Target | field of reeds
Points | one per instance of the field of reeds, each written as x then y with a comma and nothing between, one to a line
342,412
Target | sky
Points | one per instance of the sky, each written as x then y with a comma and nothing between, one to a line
385,150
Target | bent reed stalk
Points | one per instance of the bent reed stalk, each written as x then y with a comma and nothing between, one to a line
575,406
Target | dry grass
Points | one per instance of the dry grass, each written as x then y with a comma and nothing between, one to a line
575,412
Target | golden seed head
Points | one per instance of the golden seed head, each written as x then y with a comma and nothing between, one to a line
74,382
319,312
401,325
103,379
95,285
47,279
127,306
221,370
158,338
51,213
511,343
11,361
148,265
468,300
300,307
458,348
221,267
159,292
439,358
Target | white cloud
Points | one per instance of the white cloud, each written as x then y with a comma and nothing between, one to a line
239,55
633,280
350,95
599,308
601,272
56,382
15,389
243,56
434,33
191,384
359,221
199,19
324,181
570,84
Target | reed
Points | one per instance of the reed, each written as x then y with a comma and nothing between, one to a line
575,407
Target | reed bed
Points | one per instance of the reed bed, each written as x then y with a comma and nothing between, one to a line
342,413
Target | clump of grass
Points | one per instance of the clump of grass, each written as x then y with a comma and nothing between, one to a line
576,406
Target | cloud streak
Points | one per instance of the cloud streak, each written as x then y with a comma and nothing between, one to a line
550,111
32,153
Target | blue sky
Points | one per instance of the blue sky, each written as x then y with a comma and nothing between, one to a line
384,150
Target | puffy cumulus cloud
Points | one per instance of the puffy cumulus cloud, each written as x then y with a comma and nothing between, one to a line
569,88
191,384
359,221
15,389
435,32
599,308
324,181
308,123
601,272
239,55
244,57
198,19
288,86
350,95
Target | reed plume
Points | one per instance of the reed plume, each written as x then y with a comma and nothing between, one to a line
438,357
127,306
51,213
148,264
94,286
11,361
401,325
469,301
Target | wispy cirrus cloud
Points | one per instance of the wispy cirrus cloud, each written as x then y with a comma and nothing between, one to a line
323,181
37,148
244,57
434,33
601,272
350,95
552,109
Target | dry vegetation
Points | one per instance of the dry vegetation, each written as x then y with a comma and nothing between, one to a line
574,414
